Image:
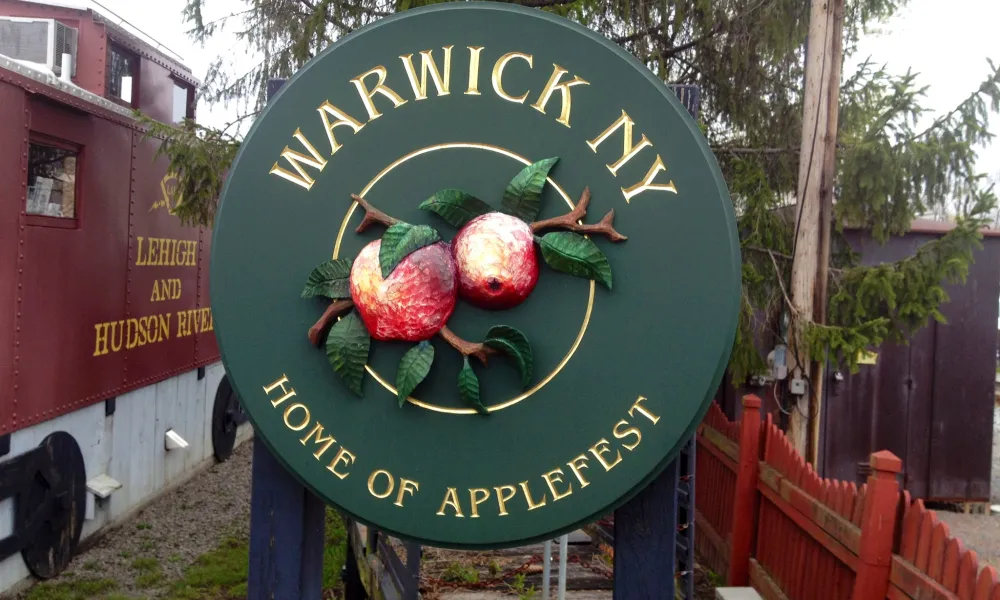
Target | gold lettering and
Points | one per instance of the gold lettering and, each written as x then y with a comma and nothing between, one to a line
474,52
368,96
498,68
428,68
340,118
451,499
299,162
563,88
165,289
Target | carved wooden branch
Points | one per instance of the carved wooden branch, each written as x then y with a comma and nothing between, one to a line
332,312
569,221
480,351
372,215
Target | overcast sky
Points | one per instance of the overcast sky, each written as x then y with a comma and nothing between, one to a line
948,45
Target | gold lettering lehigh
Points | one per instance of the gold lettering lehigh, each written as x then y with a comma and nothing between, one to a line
428,67
299,161
473,70
326,111
563,88
368,96
498,68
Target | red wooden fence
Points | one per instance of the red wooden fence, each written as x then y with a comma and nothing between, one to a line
765,518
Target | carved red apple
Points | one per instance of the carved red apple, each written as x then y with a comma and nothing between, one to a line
414,302
496,260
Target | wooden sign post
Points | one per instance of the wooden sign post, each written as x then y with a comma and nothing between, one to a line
475,288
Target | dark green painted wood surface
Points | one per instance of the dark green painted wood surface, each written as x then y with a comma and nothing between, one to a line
663,332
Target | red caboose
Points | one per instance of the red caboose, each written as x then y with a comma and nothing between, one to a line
109,371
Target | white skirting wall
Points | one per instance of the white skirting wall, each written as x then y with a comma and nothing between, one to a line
128,446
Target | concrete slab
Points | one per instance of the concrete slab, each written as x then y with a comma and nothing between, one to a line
740,593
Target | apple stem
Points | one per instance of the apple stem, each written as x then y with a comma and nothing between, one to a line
372,215
332,312
570,221
480,351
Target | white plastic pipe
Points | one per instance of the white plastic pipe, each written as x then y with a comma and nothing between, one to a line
66,74
563,546
546,568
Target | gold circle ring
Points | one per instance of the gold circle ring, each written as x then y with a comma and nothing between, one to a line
590,301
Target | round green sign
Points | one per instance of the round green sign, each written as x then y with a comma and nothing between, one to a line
475,275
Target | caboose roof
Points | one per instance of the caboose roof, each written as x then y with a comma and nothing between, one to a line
126,34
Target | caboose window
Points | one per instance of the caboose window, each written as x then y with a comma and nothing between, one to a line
52,181
182,102
123,75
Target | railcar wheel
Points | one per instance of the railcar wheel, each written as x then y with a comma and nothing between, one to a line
227,415
52,507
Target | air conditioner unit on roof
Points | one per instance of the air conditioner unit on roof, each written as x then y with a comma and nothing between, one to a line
39,41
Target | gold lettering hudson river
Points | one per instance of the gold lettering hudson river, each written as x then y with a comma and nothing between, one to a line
499,499
301,160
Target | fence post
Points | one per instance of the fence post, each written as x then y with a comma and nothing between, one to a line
745,501
877,524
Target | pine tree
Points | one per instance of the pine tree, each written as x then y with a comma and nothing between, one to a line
747,57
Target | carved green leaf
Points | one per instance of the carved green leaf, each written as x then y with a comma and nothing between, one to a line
331,279
347,348
455,206
515,344
400,240
413,368
574,254
468,388
523,196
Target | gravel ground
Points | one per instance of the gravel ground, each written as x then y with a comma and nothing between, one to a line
175,529
978,532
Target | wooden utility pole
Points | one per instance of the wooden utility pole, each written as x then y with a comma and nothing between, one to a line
817,167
